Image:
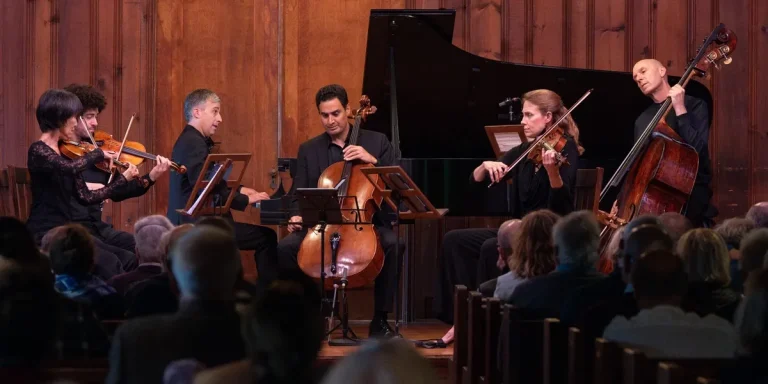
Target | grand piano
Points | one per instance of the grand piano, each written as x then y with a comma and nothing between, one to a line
434,100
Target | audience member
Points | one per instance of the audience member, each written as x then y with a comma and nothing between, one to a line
759,214
733,232
504,247
752,327
754,248
675,224
392,361
157,294
707,264
72,252
662,329
147,233
17,243
205,263
576,239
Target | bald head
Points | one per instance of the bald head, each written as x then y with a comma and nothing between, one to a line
506,236
206,263
759,214
651,77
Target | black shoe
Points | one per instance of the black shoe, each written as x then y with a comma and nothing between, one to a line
380,328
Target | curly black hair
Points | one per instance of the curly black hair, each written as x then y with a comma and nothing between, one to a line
89,96
330,92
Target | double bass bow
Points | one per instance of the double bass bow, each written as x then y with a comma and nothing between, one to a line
354,247
661,168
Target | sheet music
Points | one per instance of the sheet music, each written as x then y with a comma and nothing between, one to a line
217,169
507,140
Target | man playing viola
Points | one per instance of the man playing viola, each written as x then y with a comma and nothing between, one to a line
690,121
317,154
202,110
110,242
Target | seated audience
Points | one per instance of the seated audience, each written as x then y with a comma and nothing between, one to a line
754,249
707,264
205,265
733,232
504,247
661,328
17,243
576,239
752,327
157,294
72,252
392,361
283,332
147,233
759,214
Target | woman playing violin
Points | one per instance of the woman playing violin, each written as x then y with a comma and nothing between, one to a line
57,184
470,256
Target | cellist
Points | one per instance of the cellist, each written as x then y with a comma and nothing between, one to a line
690,121
317,154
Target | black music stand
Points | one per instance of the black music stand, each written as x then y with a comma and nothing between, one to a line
400,189
320,207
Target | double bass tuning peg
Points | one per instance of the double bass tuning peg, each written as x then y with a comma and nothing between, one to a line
727,60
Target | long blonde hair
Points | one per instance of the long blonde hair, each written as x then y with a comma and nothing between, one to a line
549,101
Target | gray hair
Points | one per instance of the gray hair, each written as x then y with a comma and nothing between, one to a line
206,263
754,247
383,362
759,214
577,239
147,232
734,229
197,97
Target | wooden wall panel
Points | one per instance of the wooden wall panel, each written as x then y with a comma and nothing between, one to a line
548,32
15,83
485,22
581,22
610,34
515,29
758,131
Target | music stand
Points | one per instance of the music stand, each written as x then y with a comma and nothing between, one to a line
505,137
401,189
321,206
198,205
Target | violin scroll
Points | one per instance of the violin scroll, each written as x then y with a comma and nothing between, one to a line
364,110
720,50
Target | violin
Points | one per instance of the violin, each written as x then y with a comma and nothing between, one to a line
132,152
553,138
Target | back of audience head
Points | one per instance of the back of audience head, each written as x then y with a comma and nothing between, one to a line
642,239
392,361
206,264
751,319
533,252
218,222
706,256
283,330
734,230
148,231
27,318
168,240
577,239
675,225
506,237
659,277
71,250
16,242
759,214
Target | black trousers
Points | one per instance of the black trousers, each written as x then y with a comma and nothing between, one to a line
263,241
468,258
118,243
385,284
698,209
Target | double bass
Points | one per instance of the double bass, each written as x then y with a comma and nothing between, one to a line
355,247
661,168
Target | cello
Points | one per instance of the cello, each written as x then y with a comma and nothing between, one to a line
354,247
661,168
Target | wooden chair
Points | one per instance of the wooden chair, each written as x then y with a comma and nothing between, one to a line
639,369
555,349
21,191
476,339
460,332
589,183
608,369
491,374
577,359
5,194
521,347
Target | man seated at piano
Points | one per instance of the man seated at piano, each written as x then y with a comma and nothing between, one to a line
550,185
690,121
202,110
317,154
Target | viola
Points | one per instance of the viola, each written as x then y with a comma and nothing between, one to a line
133,152
553,138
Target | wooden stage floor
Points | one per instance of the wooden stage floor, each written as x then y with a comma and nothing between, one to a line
439,357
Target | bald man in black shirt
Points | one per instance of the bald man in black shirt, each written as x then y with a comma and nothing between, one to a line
690,119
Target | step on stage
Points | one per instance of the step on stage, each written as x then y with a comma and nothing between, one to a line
439,357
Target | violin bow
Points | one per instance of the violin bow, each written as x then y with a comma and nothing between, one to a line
120,151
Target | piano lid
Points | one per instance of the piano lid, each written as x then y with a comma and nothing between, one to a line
445,95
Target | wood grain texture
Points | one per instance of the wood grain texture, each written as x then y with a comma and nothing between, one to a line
485,21
758,131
